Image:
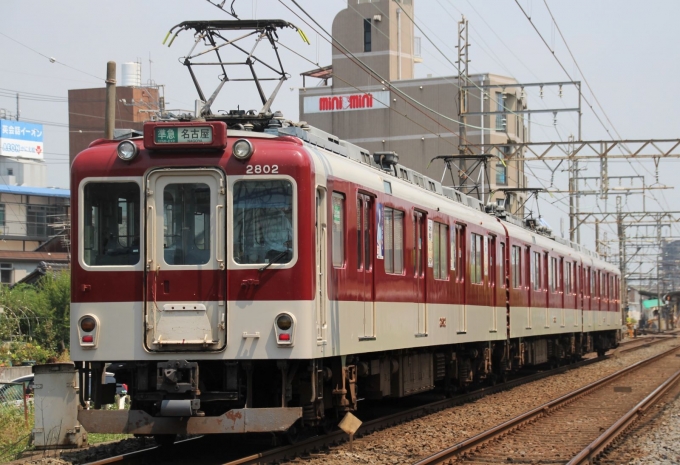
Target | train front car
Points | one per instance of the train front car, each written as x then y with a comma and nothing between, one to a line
194,276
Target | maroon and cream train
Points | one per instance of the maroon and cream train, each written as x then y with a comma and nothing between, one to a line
245,281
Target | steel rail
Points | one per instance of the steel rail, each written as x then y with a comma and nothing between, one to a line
504,428
599,445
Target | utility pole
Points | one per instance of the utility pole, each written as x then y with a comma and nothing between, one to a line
658,266
621,231
110,112
18,108
463,79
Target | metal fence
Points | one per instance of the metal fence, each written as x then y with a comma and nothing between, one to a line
14,400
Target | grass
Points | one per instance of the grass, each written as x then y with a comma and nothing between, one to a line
15,434
97,438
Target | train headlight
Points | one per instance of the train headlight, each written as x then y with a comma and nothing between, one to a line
88,331
242,149
284,321
127,150
284,329
88,324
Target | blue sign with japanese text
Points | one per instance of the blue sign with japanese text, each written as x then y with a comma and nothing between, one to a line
20,139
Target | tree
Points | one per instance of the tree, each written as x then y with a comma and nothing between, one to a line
38,314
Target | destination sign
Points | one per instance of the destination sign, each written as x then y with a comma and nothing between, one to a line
183,135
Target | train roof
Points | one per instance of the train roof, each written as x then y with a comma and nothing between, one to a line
471,207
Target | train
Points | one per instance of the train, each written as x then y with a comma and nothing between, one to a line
244,273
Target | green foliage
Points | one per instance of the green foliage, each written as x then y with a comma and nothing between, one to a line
15,432
38,316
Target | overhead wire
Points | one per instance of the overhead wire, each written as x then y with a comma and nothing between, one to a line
571,54
51,59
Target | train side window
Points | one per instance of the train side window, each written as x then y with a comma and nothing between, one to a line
536,271
338,230
111,223
501,263
460,253
476,258
263,222
440,245
360,255
394,240
454,233
516,265
554,275
567,278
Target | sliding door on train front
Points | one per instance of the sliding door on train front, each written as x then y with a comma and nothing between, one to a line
365,255
185,268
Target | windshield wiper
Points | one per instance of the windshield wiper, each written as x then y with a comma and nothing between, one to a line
273,260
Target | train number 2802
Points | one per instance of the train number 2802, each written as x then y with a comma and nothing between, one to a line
262,169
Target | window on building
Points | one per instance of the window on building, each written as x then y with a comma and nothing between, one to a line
516,265
441,262
367,35
501,174
536,271
476,258
6,273
41,218
2,214
36,220
500,107
394,241
501,167
10,171
338,230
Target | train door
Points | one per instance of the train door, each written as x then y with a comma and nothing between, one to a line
185,268
493,280
460,277
365,255
321,264
421,244
530,276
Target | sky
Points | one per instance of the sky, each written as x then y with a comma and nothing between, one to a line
626,50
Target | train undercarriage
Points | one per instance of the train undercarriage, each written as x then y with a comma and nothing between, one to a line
202,397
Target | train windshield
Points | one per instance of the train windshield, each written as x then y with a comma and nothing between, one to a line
263,222
111,223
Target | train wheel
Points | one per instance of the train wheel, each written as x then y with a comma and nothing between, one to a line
327,426
293,435
165,440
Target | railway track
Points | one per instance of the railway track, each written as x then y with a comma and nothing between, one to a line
577,426
240,455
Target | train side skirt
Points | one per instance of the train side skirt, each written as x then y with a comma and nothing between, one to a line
247,420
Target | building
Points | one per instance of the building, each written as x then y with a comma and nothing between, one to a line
135,104
355,106
34,228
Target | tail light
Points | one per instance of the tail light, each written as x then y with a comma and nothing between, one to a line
88,331
284,328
